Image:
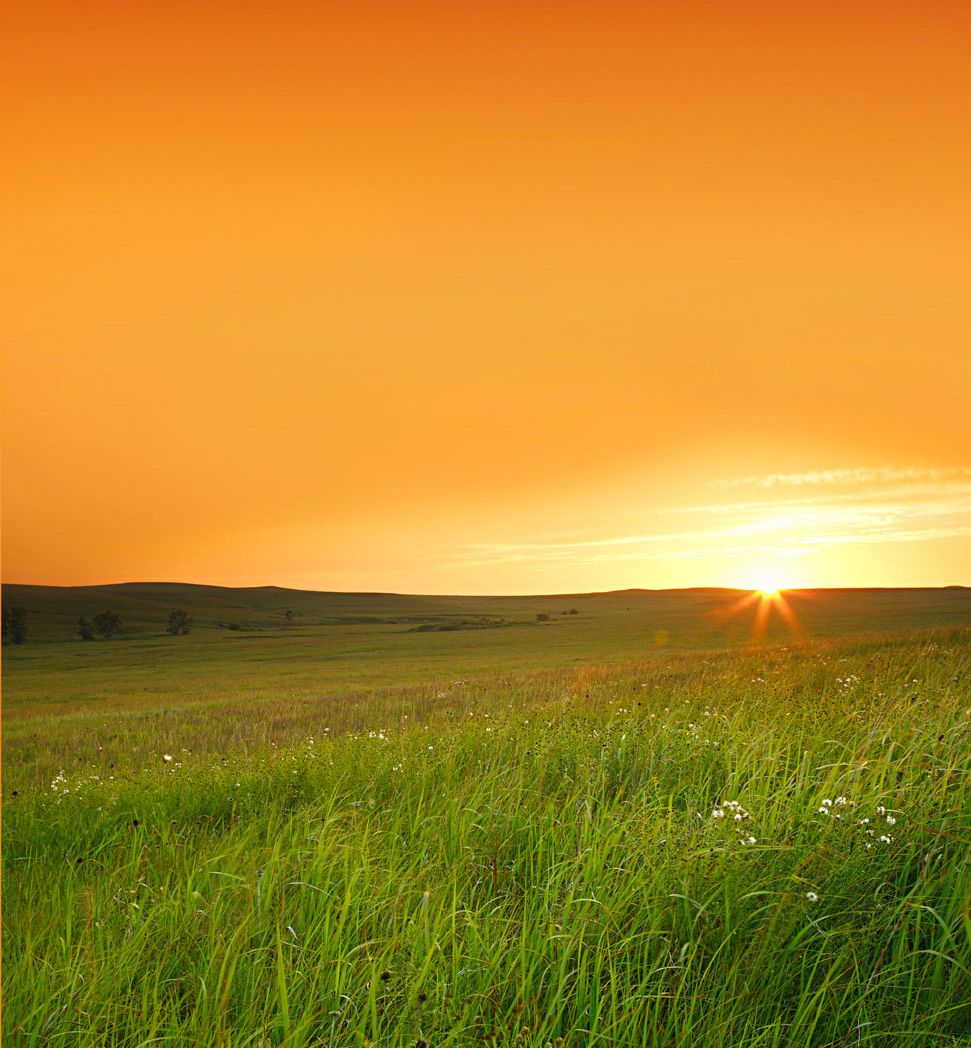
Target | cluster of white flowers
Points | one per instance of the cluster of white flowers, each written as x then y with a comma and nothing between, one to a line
733,810
883,838
829,808
60,786
691,730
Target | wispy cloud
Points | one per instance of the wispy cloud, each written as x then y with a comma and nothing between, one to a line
862,475
925,493
884,505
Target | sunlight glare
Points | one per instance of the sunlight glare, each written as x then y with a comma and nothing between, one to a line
768,587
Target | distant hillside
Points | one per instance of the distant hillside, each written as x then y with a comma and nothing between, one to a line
144,607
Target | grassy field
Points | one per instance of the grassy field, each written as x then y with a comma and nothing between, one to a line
625,827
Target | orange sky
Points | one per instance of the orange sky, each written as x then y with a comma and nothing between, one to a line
487,297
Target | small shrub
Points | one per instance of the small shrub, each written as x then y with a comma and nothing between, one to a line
108,623
15,624
180,622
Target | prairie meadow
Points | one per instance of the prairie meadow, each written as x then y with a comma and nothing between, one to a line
490,843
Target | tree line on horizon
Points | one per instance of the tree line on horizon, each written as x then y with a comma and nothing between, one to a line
108,623
105,625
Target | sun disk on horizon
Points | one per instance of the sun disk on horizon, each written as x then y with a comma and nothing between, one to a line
768,587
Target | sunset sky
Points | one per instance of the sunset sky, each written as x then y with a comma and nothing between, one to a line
487,297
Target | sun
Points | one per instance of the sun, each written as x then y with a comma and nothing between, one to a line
768,587
766,596
767,576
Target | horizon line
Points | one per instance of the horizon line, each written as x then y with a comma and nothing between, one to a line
396,593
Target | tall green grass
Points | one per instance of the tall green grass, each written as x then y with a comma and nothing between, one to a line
531,861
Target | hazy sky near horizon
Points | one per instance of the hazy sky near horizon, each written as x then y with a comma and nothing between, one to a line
487,297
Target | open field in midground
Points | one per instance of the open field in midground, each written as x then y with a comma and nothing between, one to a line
626,827
244,678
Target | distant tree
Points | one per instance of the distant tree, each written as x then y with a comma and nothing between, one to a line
180,622
573,611
107,624
15,624
290,615
542,617
85,629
